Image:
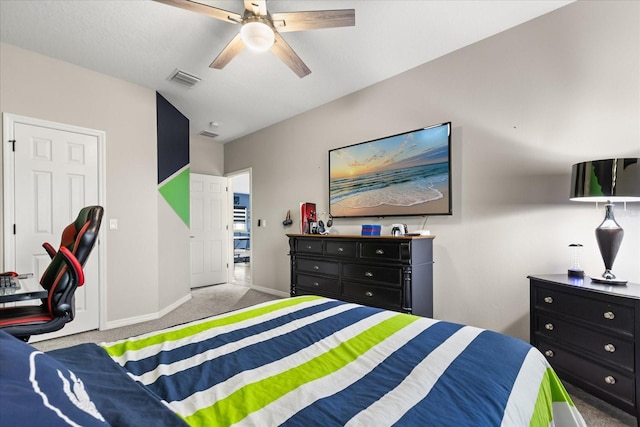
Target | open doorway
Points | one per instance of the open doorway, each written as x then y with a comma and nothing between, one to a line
241,185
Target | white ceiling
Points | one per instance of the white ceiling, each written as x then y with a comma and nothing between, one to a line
143,42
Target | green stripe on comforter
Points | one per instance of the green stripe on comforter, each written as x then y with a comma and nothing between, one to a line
255,396
119,348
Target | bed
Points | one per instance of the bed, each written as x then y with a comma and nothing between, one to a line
301,361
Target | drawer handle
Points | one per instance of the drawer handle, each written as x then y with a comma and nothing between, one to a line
609,315
610,348
340,249
609,380
549,353
316,267
308,246
549,326
368,274
316,284
379,252
369,293
548,300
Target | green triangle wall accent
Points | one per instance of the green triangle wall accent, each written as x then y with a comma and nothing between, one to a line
176,192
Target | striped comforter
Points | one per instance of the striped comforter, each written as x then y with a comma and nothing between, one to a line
308,361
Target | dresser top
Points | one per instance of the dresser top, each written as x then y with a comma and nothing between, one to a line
357,236
629,290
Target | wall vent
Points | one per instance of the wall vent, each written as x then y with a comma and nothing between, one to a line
208,134
184,78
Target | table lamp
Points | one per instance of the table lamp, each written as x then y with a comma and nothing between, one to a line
608,181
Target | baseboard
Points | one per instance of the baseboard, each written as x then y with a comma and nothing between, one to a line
146,317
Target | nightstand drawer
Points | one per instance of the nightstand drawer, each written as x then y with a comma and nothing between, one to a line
317,266
316,284
339,248
381,275
609,315
313,246
611,382
372,295
608,348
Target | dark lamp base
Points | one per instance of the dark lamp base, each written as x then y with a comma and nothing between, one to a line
608,281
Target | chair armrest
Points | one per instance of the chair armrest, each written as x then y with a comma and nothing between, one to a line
75,268
9,273
50,250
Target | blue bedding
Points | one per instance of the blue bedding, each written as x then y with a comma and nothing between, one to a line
316,361
304,361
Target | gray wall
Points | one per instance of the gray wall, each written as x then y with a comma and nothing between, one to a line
37,86
525,105
207,156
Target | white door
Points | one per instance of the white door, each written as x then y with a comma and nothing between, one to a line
56,173
209,230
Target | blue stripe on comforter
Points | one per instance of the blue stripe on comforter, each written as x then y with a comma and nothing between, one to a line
208,374
499,372
347,403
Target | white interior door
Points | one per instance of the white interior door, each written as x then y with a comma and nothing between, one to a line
209,230
55,174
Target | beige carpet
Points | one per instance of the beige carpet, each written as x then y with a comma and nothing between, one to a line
204,302
222,298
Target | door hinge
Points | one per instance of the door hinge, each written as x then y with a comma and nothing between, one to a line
13,145
14,229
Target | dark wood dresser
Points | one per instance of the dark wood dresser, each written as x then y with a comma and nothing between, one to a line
589,333
395,273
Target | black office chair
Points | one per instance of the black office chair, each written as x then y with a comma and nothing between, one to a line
61,279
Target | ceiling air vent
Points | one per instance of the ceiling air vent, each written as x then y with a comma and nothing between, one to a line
184,78
208,134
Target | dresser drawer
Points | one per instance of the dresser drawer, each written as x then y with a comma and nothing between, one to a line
600,312
609,381
312,246
381,275
376,296
609,348
317,266
379,250
316,284
338,248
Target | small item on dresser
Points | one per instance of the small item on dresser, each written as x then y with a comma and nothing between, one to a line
371,230
575,270
398,229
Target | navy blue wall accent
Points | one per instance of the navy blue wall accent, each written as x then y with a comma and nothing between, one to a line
173,138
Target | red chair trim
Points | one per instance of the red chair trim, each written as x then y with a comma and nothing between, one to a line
40,318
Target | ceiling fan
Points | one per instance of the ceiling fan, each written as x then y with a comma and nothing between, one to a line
261,30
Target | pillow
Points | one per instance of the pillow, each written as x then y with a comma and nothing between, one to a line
36,389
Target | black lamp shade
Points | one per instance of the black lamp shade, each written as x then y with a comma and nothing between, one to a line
612,180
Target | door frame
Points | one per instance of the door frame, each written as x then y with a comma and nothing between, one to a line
230,259
8,190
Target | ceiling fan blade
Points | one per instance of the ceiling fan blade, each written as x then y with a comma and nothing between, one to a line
313,20
283,51
211,11
258,7
234,47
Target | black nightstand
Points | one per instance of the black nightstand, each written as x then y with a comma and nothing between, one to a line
589,334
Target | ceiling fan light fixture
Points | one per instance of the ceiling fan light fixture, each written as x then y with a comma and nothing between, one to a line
257,36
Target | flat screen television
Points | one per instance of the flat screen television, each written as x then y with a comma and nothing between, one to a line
399,175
